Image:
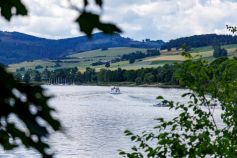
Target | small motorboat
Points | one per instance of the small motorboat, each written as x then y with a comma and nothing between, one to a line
160,104
115,90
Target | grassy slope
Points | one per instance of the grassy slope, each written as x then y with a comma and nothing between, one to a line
83,60
30,65
112,52
205,52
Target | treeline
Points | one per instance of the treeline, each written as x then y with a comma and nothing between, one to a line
200,41
163,74
139,55
218,51
131,57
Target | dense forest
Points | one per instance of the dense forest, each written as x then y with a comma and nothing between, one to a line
200,41
163,74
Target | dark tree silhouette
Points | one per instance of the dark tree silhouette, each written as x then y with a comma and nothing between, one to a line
107,64
19,99
218,51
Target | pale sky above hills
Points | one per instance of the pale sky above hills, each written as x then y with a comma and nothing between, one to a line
140,19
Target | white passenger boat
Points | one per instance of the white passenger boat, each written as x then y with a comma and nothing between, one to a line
115,90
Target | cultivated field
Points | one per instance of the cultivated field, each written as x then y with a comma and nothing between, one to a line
85,59
112,52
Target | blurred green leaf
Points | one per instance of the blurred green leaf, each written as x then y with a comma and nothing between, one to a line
108,28
90,21
85,3
99,2
160,98
7,6
12,104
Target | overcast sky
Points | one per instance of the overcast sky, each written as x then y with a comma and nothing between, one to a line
139,19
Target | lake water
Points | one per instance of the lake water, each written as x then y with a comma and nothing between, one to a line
95,120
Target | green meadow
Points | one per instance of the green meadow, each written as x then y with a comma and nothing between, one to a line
85,59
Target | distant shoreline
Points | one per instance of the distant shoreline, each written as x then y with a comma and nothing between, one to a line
120,84
130,85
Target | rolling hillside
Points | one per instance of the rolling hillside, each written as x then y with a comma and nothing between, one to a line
85,59
81,60
17,47
100,49
204,52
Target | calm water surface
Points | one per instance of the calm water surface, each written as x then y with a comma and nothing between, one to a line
95,120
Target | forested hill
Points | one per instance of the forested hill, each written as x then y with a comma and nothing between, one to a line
16,47
200,41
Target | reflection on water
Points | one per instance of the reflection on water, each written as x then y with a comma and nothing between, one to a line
95,120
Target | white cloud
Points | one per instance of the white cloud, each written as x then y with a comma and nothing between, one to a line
140,19
49,19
